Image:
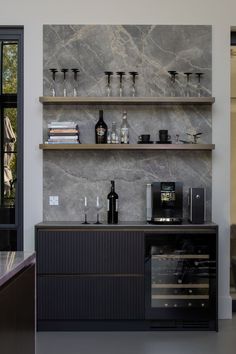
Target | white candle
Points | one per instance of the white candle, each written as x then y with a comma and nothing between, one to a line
85,201
97,201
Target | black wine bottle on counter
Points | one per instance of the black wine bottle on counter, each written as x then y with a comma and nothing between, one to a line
101,130
112,205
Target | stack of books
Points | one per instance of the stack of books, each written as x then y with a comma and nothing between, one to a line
63,133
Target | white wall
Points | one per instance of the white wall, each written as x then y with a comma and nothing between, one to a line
221,15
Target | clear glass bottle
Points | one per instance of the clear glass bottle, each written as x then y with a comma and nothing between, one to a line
114,135
109,136
124,130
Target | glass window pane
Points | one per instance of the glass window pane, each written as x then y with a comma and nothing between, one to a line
9,66
9,167
8,240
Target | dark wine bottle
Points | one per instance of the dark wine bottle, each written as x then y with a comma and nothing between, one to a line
101,130
112,205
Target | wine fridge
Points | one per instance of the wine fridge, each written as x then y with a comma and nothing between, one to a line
181,280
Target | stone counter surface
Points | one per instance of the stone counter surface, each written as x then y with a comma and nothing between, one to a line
132,225
12,263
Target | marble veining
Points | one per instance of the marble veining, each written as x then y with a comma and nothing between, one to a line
152,50
13,262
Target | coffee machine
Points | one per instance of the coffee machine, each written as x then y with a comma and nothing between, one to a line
164,202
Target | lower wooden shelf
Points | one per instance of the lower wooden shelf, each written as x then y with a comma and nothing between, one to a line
127,147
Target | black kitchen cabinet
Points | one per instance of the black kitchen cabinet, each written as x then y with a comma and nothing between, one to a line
114,277
17,313
89,275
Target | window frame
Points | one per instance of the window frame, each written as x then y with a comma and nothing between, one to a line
16,34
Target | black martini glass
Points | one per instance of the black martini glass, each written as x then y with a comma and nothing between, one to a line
64,71
133,75
120,74
53,71
187,87
199,86
108,87
75,88
173,74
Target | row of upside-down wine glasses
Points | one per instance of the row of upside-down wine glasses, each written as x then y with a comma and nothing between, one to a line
172,91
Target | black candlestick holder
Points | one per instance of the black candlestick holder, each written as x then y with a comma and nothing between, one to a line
133,75
121,74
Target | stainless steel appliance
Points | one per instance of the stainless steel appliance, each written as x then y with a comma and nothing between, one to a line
164,202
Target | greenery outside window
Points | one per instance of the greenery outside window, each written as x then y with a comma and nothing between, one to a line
11,138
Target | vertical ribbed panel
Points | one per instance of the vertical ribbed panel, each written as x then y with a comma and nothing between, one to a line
90,298
90,251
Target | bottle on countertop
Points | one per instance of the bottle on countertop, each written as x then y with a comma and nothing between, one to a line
112,205
124,130
101,130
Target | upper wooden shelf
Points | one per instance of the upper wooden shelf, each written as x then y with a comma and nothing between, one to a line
49,100
127,147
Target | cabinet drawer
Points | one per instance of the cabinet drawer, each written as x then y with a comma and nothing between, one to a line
89,252
90,297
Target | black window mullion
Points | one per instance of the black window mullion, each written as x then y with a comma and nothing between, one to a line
2,155
14,34
1,65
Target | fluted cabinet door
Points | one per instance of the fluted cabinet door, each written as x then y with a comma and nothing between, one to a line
90,298
89,252
90,275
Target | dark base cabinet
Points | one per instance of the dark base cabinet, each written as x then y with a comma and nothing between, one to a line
17,313
146,278
98,297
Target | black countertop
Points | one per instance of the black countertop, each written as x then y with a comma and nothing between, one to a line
132,225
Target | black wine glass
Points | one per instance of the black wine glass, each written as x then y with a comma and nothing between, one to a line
120,74
108,87
64,71
199,86
187,86
173,74
53,90
133,75
75,88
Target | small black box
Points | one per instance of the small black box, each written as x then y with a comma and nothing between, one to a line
197,205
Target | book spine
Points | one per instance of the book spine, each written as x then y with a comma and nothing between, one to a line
62,137
62,142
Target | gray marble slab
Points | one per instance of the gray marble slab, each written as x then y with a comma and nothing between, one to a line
152,51
12,263
72,176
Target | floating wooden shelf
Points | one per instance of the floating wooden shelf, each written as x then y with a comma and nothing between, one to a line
127,147
48,100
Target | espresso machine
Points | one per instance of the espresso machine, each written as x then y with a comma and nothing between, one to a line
164,202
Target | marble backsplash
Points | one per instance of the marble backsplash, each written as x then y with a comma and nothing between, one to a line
152,51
